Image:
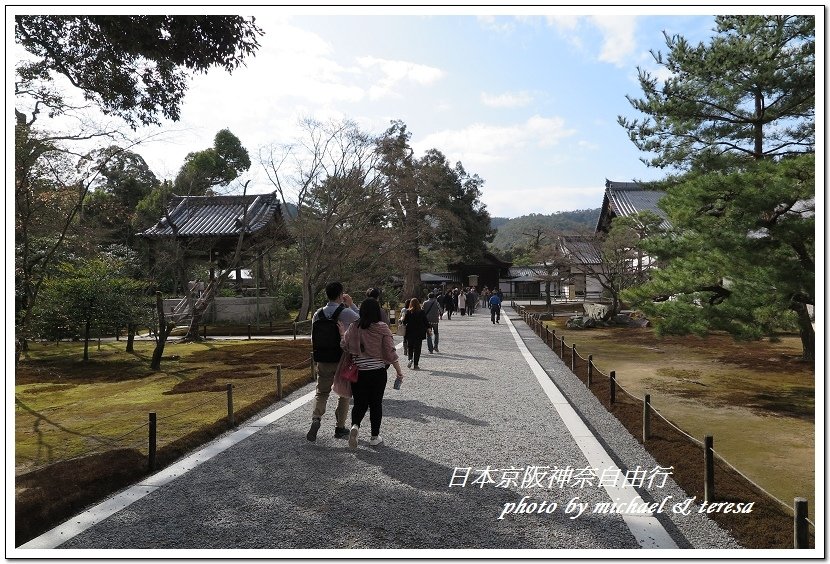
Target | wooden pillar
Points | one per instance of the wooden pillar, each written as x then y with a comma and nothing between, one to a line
801,537
708,469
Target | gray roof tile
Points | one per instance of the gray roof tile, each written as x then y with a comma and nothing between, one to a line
200,216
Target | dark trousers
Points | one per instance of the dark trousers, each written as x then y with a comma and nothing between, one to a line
415,350
495,313
367,393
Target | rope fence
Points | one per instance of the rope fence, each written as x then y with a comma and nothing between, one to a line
104,443
623,404
302,328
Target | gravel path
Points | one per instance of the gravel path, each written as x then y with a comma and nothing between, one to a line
474,405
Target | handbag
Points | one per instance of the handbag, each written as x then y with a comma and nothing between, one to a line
341,386
349,370
346,368
401,329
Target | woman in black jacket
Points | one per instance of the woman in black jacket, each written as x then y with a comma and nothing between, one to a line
416,331
449,304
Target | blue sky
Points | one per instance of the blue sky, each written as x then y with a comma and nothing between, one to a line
526,98
527,102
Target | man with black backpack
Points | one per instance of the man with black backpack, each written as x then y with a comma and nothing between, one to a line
327,326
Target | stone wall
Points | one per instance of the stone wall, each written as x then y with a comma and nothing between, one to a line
234,310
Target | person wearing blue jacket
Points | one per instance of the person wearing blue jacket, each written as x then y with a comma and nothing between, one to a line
495,308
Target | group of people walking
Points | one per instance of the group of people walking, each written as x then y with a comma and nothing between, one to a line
340,328
463,301
364,333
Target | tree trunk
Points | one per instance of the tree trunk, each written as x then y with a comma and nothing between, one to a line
807,333
164,328
615,305
130,336
412,279
86,340
199,309
547,294
305,307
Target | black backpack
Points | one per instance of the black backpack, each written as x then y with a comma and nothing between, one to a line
325,336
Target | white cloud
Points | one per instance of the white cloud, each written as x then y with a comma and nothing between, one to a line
618,34
394,73
568,28
563,22
507,99
618,42
499,25
481,143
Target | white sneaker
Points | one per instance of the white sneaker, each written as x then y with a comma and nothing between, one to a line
353,436
376,440
409,364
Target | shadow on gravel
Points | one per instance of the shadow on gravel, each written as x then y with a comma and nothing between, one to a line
459,375
467,517
410,469
420,412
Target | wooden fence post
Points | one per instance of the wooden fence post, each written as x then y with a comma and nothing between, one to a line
647,418
573,358
613,387
249,331
279,381
590,369
151,456
231,422
204,331
800,536
562,347
708,469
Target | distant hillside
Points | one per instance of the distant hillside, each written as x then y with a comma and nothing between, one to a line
497,222
512,231
290,209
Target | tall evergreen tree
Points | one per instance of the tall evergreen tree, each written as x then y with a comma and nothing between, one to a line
736,121
434,205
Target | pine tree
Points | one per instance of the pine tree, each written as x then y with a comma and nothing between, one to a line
736,123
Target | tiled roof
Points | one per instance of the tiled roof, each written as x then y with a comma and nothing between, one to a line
431,278
200,216
623,199
582,248
525,272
